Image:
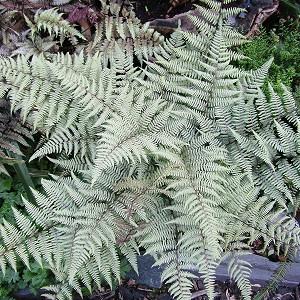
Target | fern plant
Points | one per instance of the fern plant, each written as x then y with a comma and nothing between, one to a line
108,131
186,158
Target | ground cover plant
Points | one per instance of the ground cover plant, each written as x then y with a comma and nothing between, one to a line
281,43
163,144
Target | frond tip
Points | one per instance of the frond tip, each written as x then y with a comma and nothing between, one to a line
52,22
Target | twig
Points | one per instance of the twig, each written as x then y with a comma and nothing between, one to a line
171,24
144,290
262,15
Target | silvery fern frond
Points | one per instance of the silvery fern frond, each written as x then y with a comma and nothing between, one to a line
240,271
71,230
52,22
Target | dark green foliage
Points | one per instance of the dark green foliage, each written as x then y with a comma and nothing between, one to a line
24,278
290,7
10,195
283,44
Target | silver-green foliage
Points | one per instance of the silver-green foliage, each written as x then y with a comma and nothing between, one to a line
187,158
46,30
51,22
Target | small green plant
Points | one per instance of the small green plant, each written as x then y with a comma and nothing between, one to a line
7,283
10,195
24,278
290,7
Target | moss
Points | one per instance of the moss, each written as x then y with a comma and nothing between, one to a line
283,44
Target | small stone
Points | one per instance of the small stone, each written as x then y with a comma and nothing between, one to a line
262,271
26,294
242,15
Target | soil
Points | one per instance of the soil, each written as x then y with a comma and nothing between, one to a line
284,12
148,10
161,13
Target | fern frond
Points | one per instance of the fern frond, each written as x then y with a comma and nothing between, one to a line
52,22
81,231
12,134
239,271
139,130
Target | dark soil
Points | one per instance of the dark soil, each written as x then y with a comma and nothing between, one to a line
148,10
284,12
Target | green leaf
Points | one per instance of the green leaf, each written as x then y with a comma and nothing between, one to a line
5,184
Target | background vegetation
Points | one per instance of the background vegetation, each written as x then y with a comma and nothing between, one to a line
281,42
